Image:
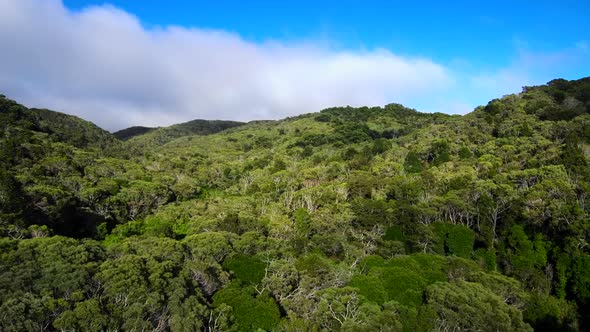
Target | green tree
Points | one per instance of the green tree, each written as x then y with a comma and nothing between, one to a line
248,269
249,311
413,163
463,305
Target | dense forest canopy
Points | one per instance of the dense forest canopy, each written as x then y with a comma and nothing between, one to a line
352,219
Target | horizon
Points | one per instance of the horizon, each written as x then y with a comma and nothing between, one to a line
121,64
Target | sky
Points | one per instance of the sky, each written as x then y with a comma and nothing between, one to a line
120,63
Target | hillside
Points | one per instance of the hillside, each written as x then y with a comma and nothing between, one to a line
160,136
351,219
59,127
127,133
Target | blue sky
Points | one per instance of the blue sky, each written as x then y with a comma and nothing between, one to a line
251,60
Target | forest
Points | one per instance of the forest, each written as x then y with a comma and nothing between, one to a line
349,219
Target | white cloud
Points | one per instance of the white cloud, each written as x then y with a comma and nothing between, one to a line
103,65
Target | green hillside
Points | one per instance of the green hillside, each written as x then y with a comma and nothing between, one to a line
57,126
160,136
350,219
127,133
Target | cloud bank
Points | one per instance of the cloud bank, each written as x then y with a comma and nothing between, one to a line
103,65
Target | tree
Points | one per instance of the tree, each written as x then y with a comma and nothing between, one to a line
526,257
494,200
208,250
440,152
463,305
370,287
413,163
248,269
250,312
380,146
339,307
546,313
87,316
460,240
581,279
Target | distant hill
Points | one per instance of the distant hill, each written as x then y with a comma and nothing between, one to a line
568,99
59,126
127,133
160,136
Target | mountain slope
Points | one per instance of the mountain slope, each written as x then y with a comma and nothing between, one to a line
58,126
127,133
163,135
347,219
